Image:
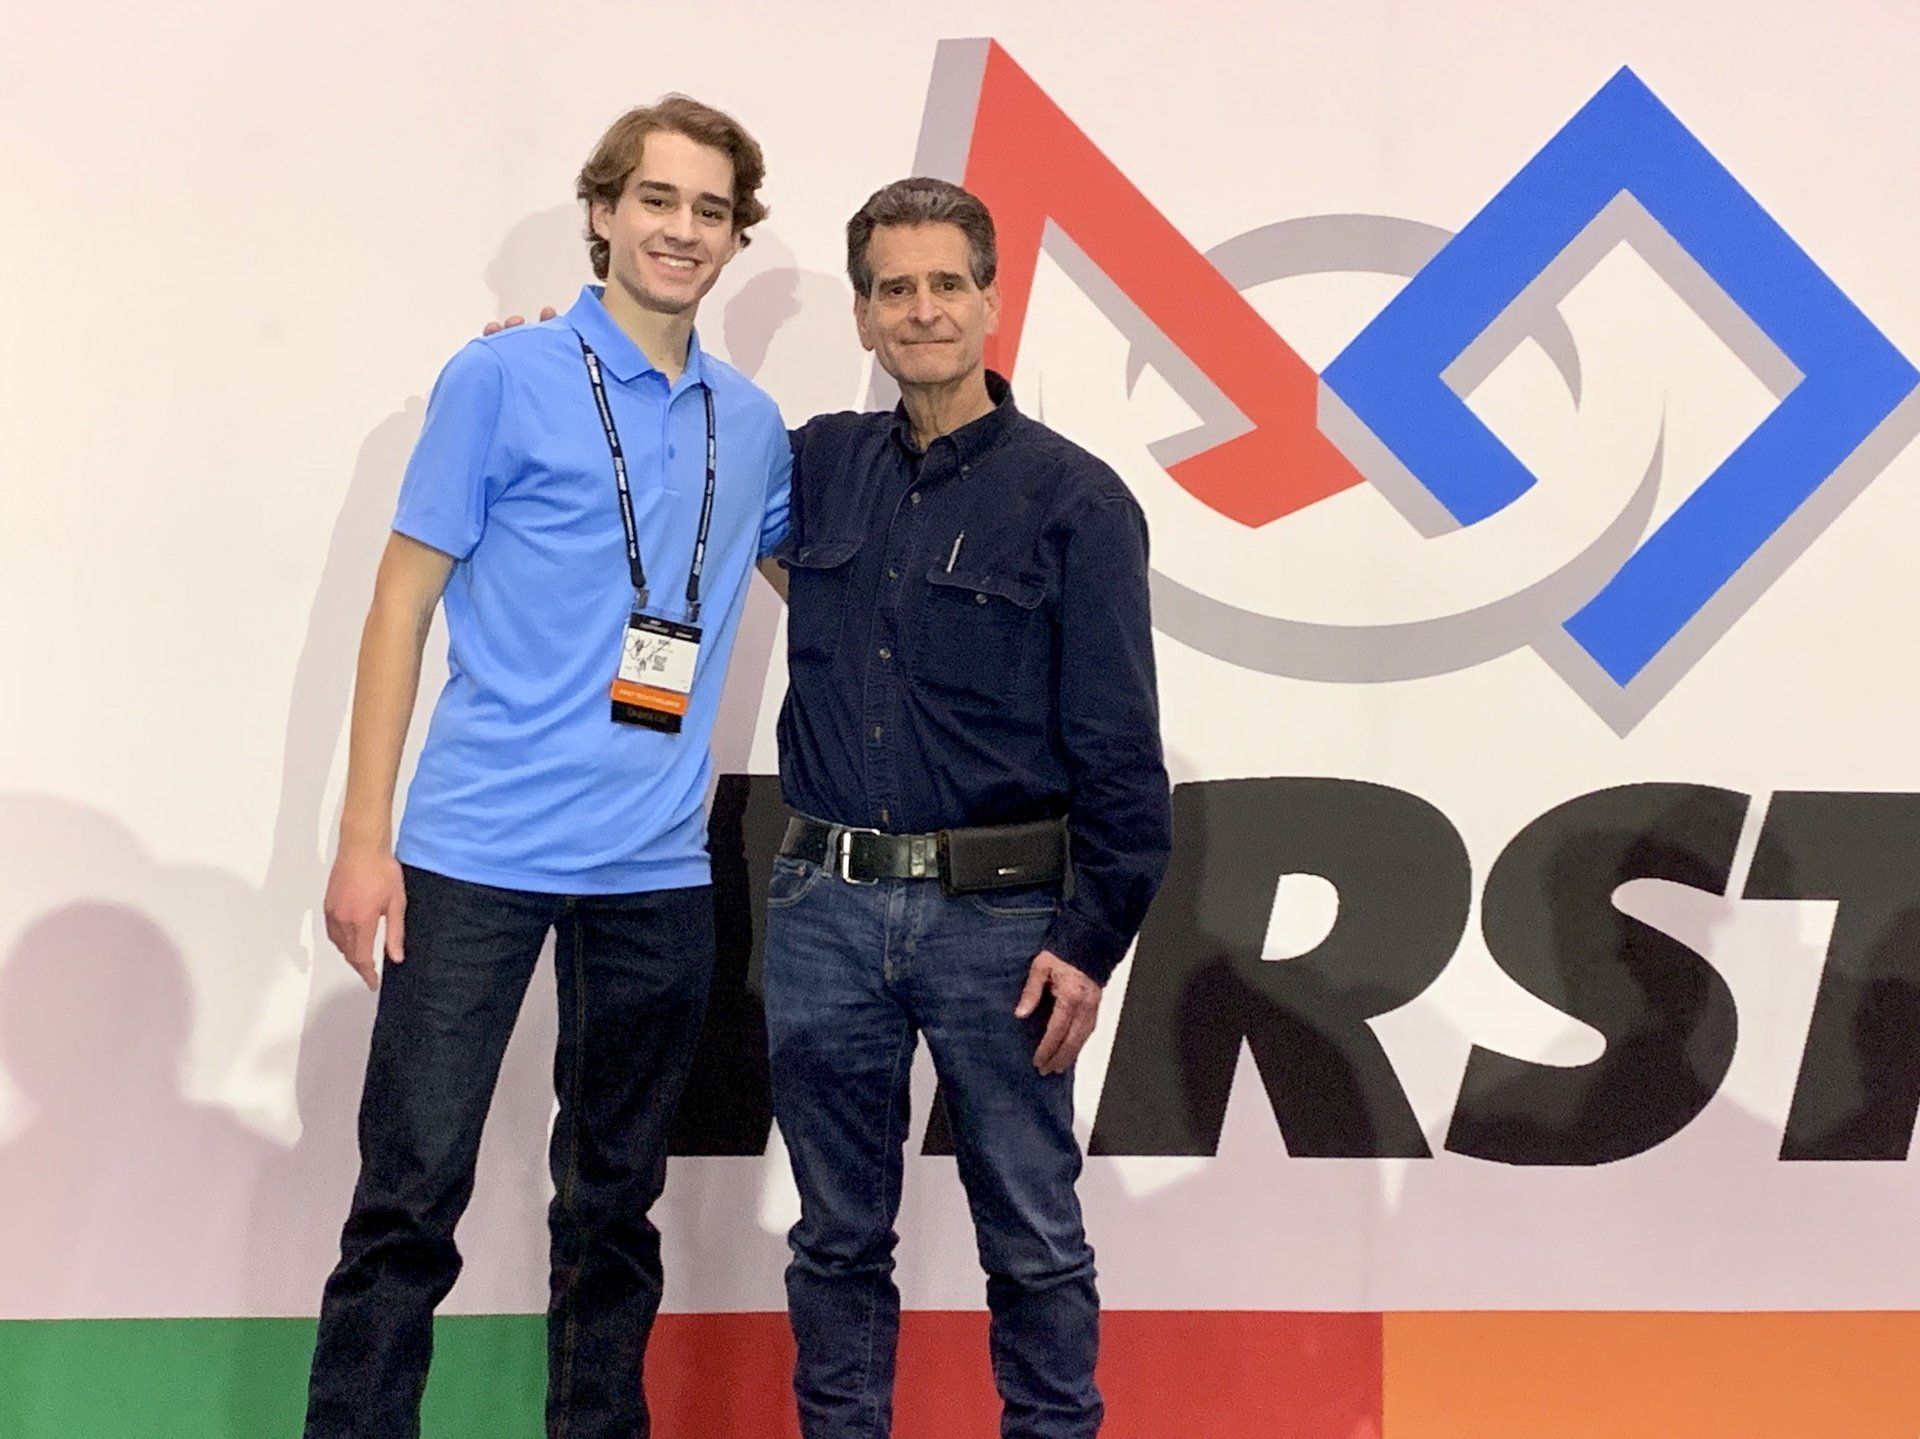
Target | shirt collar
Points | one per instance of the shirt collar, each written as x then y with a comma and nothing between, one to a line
619,356
976,437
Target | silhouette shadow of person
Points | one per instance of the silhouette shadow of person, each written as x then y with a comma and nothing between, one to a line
124,1195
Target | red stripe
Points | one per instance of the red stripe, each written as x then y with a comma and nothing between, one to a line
1195,1374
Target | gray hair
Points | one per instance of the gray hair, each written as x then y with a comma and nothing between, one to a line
922,201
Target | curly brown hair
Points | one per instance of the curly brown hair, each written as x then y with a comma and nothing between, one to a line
612,163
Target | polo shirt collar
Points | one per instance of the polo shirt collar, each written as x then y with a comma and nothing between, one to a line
976,437
619,356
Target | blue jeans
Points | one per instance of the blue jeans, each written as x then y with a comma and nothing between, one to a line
632,972
854,973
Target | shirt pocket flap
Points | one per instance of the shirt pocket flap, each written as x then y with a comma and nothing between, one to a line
817,554
1027,594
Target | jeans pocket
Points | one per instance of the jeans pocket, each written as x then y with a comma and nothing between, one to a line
792,880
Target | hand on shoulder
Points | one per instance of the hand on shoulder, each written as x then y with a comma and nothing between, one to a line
494,327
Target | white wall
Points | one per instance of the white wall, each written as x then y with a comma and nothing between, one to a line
236,244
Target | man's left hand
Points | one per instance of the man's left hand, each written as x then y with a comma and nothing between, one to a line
494,327
1076,1010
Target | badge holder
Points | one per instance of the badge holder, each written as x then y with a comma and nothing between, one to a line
653,686
655,682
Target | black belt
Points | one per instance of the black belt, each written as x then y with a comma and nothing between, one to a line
963,860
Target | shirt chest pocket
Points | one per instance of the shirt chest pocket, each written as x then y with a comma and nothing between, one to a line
978,630
818,578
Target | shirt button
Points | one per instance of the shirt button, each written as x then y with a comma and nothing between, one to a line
893,574
878,731
966,469
914,498
979,599
885,818
885,653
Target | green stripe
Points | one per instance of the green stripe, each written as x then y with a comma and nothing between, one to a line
247,1378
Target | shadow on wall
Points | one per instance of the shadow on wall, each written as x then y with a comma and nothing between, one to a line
323,676
132,993
118,1173
542,261
242,974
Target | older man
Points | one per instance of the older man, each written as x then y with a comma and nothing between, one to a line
970,743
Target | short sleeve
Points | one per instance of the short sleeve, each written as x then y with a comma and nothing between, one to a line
779,511
456,460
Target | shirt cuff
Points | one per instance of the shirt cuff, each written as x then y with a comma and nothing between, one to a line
435,534
1088,946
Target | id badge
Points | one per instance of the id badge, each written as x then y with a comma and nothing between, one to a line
656,673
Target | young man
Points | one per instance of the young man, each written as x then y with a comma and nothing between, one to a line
971,687
588,496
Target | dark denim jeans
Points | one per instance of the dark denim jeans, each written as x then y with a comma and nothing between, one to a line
632,972
854,973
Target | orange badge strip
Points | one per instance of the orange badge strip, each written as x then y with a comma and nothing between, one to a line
648,697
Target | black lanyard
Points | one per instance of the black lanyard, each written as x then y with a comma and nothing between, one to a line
635,567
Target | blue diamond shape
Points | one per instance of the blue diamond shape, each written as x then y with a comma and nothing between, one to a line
1625,142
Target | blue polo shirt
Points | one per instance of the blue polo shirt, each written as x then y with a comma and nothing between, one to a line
525,781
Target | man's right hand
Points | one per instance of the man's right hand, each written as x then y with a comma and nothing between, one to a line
494,327
365,888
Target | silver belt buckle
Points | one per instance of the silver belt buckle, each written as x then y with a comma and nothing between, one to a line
845,865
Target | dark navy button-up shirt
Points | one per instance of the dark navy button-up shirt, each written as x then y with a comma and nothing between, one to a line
969,644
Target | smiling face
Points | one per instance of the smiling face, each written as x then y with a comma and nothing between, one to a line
672,230
925,320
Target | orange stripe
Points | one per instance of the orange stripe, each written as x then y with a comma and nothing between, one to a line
1652,1376
1204,1374
649,697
